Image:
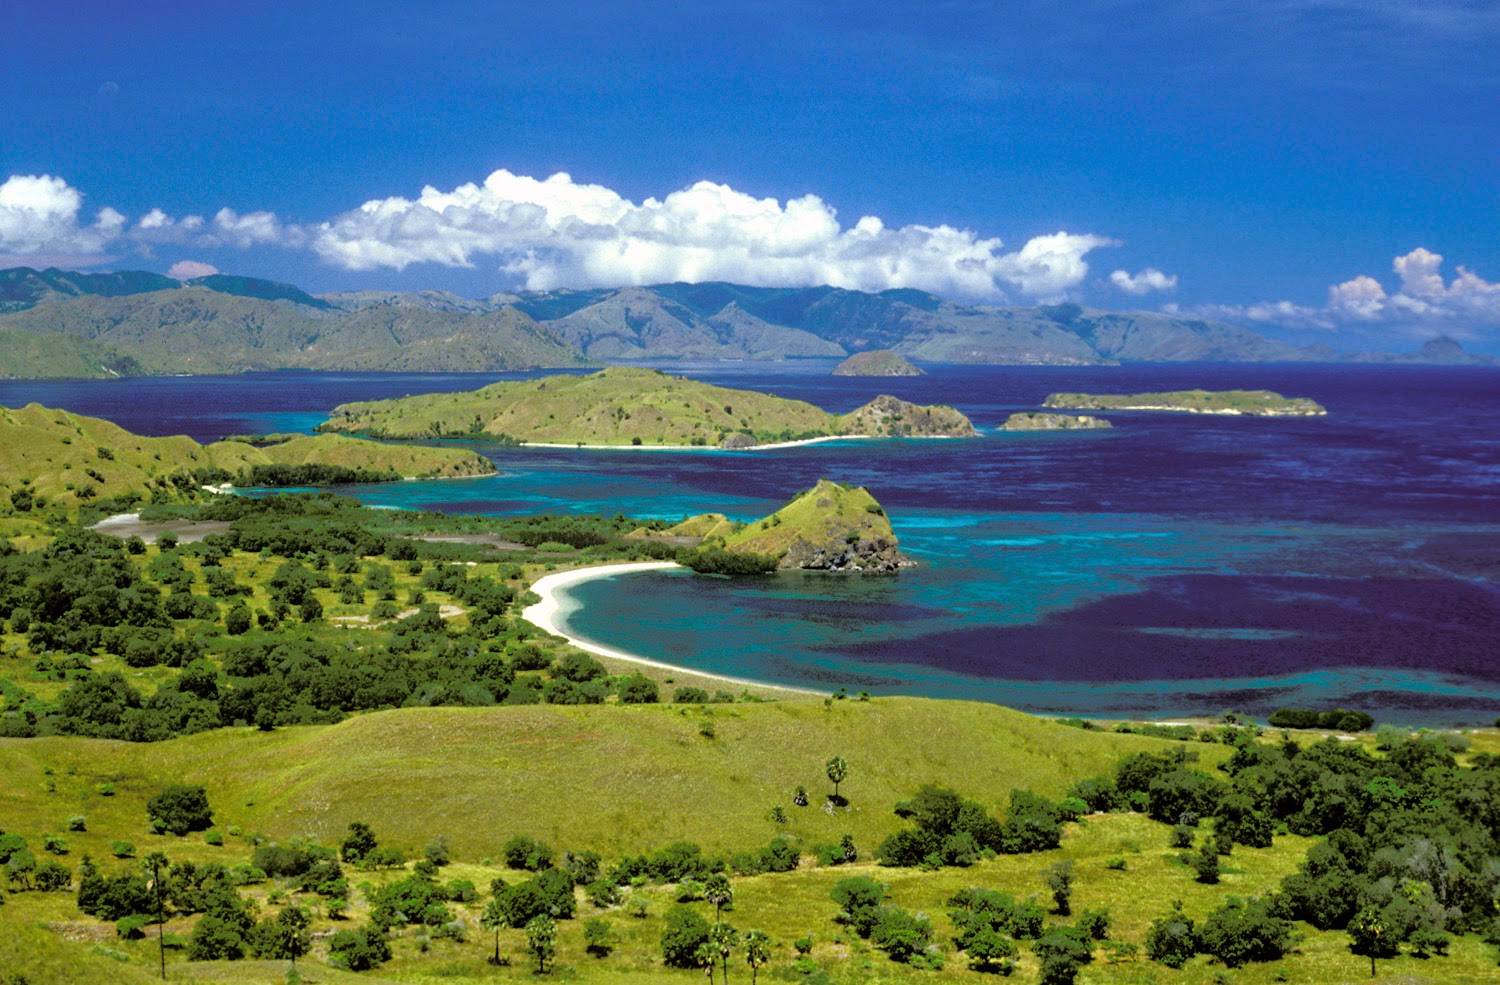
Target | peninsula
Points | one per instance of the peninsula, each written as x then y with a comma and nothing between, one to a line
49,455
1252,403
630,406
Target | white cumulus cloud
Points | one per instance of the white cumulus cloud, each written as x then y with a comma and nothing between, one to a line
556,232
39,215
1145,282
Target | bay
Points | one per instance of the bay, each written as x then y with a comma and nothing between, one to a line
1175,565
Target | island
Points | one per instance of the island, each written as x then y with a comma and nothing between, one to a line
877,362
830,527
1250,403
626,406
49,455
1034,421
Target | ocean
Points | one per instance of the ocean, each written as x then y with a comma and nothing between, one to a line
1175,565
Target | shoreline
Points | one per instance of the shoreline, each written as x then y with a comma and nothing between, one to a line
544,615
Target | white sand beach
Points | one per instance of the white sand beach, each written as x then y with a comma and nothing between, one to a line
546,615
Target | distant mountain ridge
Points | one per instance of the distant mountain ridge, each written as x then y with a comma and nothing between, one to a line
135,322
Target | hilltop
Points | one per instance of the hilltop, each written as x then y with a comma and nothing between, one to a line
52,456
624,406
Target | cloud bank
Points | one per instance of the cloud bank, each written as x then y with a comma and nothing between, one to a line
1423,303
553,233
545,234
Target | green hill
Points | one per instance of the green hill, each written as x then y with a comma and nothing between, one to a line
829,526
69,459
632,406
876,362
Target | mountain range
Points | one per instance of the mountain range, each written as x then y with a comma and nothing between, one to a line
62,323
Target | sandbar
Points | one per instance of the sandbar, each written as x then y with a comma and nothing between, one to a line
546,615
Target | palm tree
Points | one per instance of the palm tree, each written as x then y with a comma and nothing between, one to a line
723,939
757,952
838,770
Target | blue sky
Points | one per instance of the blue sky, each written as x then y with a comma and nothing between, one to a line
1294,165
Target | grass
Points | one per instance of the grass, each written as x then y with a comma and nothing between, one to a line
619,779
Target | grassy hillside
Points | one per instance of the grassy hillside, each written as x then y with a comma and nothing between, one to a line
611,778
625,406
69,458
1251,402
28,355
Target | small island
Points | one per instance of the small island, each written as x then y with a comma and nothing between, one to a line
877,362
1250,403
635,407
1034,421
830,527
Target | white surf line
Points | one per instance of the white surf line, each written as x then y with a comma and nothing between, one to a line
545,615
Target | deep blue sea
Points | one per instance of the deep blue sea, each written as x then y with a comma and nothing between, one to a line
1175,565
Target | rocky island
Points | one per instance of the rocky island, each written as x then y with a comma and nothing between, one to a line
49,455
1253,403
1034,421
830,527
877,362
630,406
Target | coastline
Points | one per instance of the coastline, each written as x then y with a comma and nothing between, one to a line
545,613
772,446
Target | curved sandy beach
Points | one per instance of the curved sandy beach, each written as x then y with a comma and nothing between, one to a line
546,615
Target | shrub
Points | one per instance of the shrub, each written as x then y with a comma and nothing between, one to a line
900,934
1172,939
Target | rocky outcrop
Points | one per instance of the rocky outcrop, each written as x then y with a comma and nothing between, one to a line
887,416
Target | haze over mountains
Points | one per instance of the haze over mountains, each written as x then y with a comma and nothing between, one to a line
61,323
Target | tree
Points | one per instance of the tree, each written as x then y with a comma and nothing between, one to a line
598,936
723,939
1062,954
180,808
987,948
360,949
838,771
358,843
1172,939
1206,863
1369,935
719,892
1241,931
684,933
286,936
757,952
1059,879
541,940
900,934
859,897
495,918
